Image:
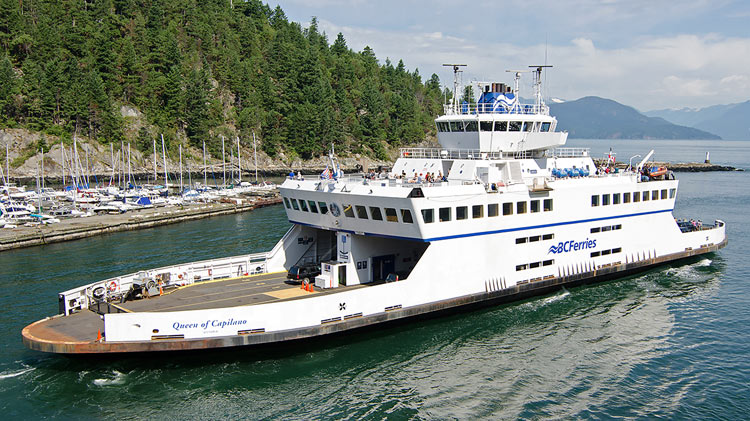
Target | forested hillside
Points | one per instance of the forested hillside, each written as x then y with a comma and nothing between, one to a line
197,69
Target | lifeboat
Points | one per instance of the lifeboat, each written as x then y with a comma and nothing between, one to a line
655,172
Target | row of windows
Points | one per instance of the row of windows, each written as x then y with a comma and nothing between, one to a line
388,214
309,206
493,209
534,265
618,198
606,228
499,126
606,252
534,238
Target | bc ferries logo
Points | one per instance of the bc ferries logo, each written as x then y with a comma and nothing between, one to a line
566,246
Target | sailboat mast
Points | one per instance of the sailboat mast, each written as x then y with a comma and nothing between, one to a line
180,168
62,158
239,162
164,157
155,175
42,167
205,178
130,169
255,152
223,161
112,153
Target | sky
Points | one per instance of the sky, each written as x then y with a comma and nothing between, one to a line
648,54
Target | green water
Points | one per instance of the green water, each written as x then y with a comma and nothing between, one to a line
670,343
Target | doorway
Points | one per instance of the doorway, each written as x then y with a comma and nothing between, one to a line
382,266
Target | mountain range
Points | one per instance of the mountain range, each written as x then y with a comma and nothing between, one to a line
728,121
593,117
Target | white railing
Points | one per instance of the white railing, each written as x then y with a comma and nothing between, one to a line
569,152
438,153
486,108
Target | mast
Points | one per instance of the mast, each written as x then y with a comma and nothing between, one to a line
239,162
62,158
7,163
180,168
130,170
255,152
205,179
112,153
223,161
74,160
456,71
88,183
42,167
231,163
155,176
164,157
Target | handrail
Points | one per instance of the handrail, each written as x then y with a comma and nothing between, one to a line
486,108
476,154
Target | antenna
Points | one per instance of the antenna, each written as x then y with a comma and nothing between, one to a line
538,83
456,71
517,78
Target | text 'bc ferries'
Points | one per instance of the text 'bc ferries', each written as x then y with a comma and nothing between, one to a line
499,212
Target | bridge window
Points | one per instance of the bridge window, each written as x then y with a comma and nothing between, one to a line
545,127
501,126
323,207
361,212
477,211
471,126
534,206
375,213
303,205
672,193
286,203
595,200
507,208
462,212
485,126
443,127
444,214
428,216
313,208
514,126
527,126
406,216
390,215
492,209
456,126
547,205
295,205
348,211
520,207
626,197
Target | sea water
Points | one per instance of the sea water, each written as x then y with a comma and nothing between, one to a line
670,343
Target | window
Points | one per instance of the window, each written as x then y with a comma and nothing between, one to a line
545,127
390,215
514,126
616,199
521,267
295,205
527,126
477,211
375,213
616,250
303,205
534,265
548,262
323,207
547,205
607,228
595,230
444,214
443,127
406,216
520,207
471,126
348,211
605,199
286,203
595,200
456,126
626,197
361,212
534,238
595,253
645,196
313,208
636,196
485,126
617,227
663,194
672,193
534,206
492,209
501,126
655,195
507,208
521,240
548,236
428,216
462,212
606,252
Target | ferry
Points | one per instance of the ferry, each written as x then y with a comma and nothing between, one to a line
501,211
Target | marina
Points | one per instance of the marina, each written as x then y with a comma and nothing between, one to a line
501,181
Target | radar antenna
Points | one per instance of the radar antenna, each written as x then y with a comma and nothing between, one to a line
538,84
456,71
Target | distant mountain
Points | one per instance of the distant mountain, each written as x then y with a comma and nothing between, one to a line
592,117
728,121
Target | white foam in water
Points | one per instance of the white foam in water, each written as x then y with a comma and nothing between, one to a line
11,374
704,262
118,378
558,297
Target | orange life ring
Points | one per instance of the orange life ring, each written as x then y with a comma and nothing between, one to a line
209,272
112,286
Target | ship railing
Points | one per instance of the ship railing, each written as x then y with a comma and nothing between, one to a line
440,153
487,108
570,152
113,290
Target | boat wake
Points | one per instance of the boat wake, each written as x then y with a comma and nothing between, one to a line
692,271
557,297
117,378
16,373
